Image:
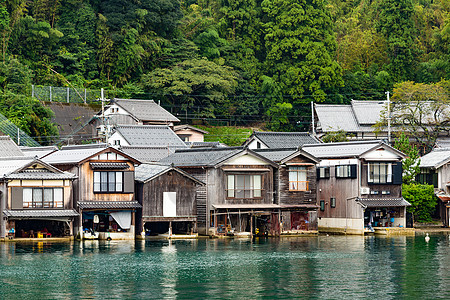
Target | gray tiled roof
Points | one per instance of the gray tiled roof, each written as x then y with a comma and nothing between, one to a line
368,112
73,154
150,135
384,202
336,117
8,147
10,167
108,204
205,145
345,149
275,155
43,213
38,151
147,154
146,110
188,127
435,158
146,171
284,139
200,157
41,175
109,165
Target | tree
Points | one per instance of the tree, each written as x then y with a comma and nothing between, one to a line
335,137
422,111
194,82
4,27
411,162
422,199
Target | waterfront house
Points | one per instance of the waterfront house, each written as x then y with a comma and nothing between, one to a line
359,186
239,193
278,140
295,185
168,198
435,170
36,199
103,191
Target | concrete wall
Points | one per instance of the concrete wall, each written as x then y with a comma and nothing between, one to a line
341,225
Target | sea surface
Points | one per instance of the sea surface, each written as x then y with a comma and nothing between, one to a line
322,267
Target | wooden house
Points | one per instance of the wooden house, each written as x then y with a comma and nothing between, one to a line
296,189
36,199
168,198
435,170
239,193
103,191
359,186
190,133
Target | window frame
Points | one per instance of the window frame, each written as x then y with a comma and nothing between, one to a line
231,186
41,203
297,170
326,172
105,186
388,175
349,171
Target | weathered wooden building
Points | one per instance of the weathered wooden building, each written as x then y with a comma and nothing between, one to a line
168,197
103,191
296,189
239,192
36,199
359,186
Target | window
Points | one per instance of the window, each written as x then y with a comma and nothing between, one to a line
333,202
297,179
43,198
380,173
427,176
323,172
108,182
116,142
346,171
244,186
322,205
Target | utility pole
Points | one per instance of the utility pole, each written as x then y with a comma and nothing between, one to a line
312,119
105,119
389,117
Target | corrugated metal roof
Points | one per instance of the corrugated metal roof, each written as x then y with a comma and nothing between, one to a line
284,139
148,154
435,158
345,149
109,165
38,151
108,204
336,117
44,213
200,157
384,202
8,148
146,110
368,112
146,171
150,135
72,154
275,155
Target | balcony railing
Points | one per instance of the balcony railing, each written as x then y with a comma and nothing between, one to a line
299,185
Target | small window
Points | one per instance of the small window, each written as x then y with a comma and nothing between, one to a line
43,198
380,173
258,145
332,202
108,182
346,171
322,205
117,142
244,186
297,179
323,172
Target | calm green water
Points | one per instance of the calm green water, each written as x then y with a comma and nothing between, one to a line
330,267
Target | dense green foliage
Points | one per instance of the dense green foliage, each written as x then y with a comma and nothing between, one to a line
231,136
236,61
422,199
412,161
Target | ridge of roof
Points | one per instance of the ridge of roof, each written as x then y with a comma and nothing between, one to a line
190,150
88,146
363,142
282,133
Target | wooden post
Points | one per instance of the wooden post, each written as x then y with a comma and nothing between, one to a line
68,95
170,228
251,223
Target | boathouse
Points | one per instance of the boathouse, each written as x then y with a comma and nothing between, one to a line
168,197
103,191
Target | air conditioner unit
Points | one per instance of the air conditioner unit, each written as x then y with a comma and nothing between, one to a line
365,191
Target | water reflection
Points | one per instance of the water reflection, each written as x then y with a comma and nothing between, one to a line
318,267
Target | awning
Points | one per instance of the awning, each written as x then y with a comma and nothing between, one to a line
246,206
123,218
44,214
168,219
378,202
444,198
300,206
108,204
109,166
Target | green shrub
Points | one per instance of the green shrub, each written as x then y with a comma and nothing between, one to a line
422,199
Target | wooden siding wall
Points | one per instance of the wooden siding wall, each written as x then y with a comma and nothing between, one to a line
394,189
298,197
172,181
345,190
201,203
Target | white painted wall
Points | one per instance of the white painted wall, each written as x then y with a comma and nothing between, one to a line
254,144
246,160
117,136
350,226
